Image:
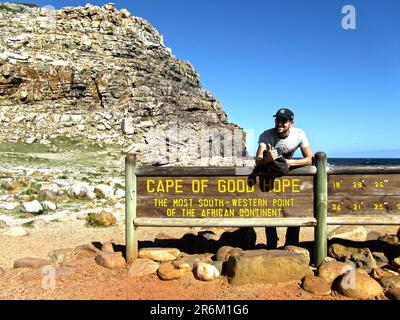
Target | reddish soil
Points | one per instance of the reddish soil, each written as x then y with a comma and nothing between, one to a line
95,282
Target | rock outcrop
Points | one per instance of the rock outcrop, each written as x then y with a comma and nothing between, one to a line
104,74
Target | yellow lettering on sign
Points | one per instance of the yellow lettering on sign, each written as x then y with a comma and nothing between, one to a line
211,202
281,185
295,185
217,212
283,202
169,185
336,207
198,185
357,184
257,212
379,206
356,206
182,202
337,184
234,185
150,185
379,184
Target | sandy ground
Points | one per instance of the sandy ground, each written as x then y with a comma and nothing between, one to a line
95,282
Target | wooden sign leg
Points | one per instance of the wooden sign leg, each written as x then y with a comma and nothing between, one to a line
131,237
320,208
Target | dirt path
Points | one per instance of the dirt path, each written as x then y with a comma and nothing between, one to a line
94,282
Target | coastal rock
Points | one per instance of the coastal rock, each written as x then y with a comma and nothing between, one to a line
32,207
38,223
357,284
329,271
355,233
167,271
15,231
110,260
267,266
33,263
60,256
299,250
205,272
361,257
142,267
138,95
159,254
106,218
316,285
86,251
225,252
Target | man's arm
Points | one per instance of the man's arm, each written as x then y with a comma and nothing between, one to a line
305,161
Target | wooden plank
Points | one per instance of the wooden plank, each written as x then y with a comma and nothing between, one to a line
364,205
300,206
209,171
378,184
232,186
194,222
364,220
363,169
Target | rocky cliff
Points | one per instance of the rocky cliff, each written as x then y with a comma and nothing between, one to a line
102,74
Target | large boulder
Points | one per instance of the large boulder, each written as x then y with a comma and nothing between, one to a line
106,219
361,257
331,270
299,250
316,285
355,233
168,271
159,254
267,266
110,260
142,267
225,252
32,207
357,284
61,256
33,263
204,271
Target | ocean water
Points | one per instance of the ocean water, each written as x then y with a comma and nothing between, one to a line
363,161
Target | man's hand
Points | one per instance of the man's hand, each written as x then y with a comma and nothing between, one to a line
271,152
266,155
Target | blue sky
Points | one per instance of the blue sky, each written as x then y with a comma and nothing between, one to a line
258,55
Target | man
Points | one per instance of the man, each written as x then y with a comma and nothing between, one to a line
283,140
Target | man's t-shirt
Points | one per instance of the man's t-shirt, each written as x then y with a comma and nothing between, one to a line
285,147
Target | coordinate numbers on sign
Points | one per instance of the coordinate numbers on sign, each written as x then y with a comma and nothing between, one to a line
360,184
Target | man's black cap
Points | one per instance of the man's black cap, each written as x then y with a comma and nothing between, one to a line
285,113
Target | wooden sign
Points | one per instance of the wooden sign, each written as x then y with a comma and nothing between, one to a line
225,197
314,196
377,194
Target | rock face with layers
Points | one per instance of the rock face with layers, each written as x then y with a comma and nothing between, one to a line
104,74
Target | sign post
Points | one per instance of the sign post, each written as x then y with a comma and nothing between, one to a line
320,208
